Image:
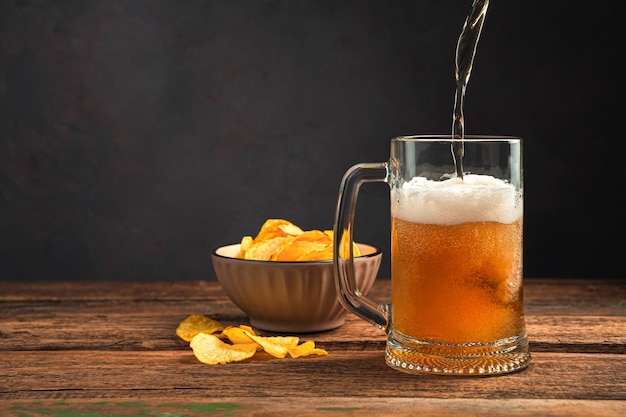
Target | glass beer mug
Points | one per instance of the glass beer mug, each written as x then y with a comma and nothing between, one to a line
456,255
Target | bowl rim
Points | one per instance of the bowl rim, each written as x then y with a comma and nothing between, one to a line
375,253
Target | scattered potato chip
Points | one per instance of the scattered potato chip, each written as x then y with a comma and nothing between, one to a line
305,349
242,342
277,346
195,324
209,349
281,240
237,335
248,328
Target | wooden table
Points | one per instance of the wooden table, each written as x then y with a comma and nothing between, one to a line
96,349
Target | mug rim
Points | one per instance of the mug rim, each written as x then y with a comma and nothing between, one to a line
449,138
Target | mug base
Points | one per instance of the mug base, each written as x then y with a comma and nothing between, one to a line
476,359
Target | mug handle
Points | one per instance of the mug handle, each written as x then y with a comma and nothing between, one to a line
348,293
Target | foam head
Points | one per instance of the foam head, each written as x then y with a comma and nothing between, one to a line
476,198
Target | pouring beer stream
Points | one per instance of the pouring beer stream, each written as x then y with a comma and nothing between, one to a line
465,52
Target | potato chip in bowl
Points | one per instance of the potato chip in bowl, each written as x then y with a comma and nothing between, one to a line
281,240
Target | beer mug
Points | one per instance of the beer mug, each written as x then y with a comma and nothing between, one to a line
456,254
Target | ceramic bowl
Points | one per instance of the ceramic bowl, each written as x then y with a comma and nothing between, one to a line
294,297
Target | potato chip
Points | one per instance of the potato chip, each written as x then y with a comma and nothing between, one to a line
248,328
263,251
239,343
299,246
355,249
305,349
195,324
277,346
280,240
237,335
209,349
276,228
290,229
246,242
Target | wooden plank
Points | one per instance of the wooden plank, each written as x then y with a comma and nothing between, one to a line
575,297
99,374
193,406
109,290
542,296
152,324
537,291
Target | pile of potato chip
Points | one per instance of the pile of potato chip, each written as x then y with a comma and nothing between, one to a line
281,240
212,343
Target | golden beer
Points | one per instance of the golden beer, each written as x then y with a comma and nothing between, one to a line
457,283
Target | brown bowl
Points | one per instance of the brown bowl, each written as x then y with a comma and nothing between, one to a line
295,297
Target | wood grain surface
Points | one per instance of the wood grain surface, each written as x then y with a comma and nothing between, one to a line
75,349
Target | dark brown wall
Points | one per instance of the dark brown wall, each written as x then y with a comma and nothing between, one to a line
136,136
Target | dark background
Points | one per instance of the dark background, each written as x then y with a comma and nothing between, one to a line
136,136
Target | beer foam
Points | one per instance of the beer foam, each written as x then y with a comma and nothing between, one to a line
476,198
